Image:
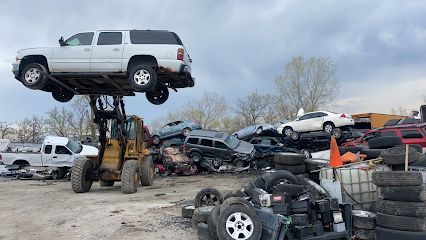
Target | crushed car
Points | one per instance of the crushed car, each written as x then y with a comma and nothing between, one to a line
264,129
173,130
177,162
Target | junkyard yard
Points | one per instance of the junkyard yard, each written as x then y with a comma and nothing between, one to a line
51,210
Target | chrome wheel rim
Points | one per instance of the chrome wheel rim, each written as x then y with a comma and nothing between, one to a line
186,132
328,128
288,132
259,131
142,77
32,75
239,226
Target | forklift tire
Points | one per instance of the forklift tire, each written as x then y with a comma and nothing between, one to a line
130,175
79,181
106,183
147,171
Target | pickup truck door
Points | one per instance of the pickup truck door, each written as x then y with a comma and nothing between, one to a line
107,53
46,155
62,157
75,55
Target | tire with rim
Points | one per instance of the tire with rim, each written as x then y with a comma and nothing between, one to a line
186,131
397,178
106,183
216,163
295,136
259,130
196,157
79,181
156,139
239,222
130,176
287,131
33,76
337,133
328,127
306,153
158,95
142,78
408,209
208,197
62,95
279,177
147,171
391,234
234,200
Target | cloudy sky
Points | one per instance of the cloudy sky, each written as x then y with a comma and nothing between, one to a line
239,46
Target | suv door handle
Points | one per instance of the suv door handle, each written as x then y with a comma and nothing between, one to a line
115,49
55,156
87,49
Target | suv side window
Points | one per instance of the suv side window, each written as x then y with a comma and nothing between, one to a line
192,141
48,149
62,150
411,134
110,38
206,142
220,145
154,37
388,134
80,39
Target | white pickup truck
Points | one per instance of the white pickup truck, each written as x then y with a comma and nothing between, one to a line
108,62
57,152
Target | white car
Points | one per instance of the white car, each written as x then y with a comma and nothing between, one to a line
316,121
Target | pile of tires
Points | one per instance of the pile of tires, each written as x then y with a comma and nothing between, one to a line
364,224
395,157
292,162
401,206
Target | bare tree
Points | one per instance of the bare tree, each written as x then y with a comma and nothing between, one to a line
59,122
30,130
308,83
82,117
206,110
6,130
251,109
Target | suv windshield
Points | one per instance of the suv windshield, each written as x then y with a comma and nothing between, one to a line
74,147
232,142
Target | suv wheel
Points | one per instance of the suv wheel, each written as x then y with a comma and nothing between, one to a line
33,76
142,78
196,157
186,132
158,96
156,139
62,95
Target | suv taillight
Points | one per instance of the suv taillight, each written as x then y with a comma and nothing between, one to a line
180,54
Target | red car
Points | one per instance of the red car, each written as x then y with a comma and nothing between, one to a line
409,134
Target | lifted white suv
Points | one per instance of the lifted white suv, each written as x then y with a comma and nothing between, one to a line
108,62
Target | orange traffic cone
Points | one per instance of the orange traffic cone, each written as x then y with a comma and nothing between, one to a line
335,159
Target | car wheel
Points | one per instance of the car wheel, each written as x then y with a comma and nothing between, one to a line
186,132
306,153
156,139
216,163
208,197
33,76
337,132
288,131
328,127
142,78
295,136
62,95
158,96
240,163
196,157
259,130
239,222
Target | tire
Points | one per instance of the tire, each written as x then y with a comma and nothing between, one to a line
396,155
401,222
287,131
397,178
363,234
248,219
289,158
343,150
259,130
130,176
337,133
212,223
156,139
147,171
238,162
259,183
403,193
295,136
248,189
363,219
234,201
79,181
62,95
391,234
196,157
32,76
418,147
216,163
106,183
384,142
306,153
298,169
279,177
187,211
158,96
291,190
328,127
186,131
142,78
203,231
201,214
408,209
208,197
421,161
313,164
371,153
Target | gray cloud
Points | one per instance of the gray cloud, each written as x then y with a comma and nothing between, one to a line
238,46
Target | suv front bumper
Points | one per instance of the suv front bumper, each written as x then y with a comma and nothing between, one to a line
15,68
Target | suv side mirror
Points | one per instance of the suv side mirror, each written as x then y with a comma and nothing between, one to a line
61,41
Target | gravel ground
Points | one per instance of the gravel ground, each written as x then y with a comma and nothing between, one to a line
51,210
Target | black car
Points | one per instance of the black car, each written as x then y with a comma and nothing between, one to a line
266,147
218,146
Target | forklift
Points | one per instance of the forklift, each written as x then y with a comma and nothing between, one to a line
123,154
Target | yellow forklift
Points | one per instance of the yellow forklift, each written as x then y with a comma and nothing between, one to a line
123,155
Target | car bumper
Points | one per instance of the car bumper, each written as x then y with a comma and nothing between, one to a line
15,68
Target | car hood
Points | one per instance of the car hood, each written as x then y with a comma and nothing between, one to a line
244,147
89,151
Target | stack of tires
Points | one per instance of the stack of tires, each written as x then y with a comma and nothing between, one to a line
395,157
401,207
364,224
292,162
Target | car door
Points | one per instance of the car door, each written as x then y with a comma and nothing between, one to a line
177,128
222,150
75,55
302,123
107,52
166,130
62,156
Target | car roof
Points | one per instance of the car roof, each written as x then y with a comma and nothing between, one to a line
208,133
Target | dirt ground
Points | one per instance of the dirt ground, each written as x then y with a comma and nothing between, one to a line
51,210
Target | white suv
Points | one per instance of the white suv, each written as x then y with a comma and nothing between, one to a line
110,62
